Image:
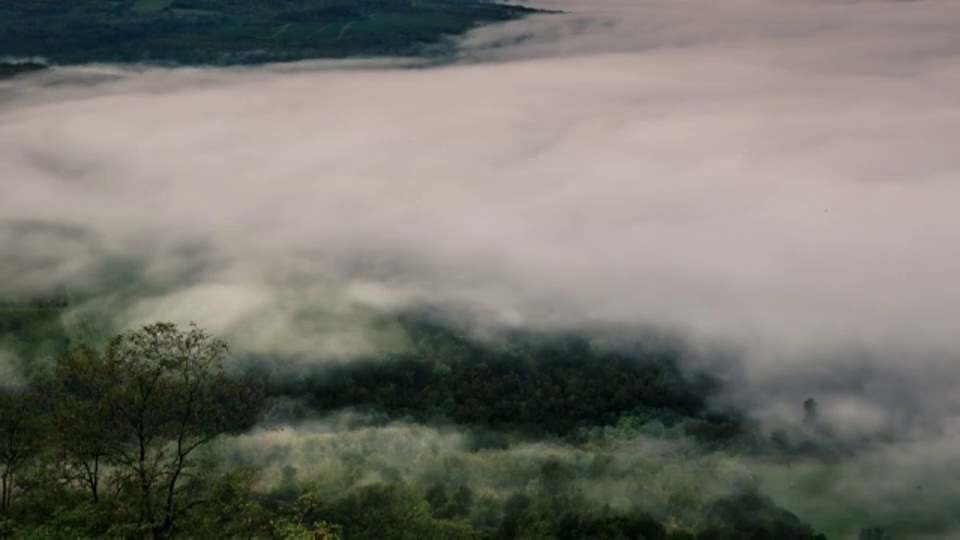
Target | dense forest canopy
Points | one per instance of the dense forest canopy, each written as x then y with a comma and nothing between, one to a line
156,434
636,269
539,385
233,31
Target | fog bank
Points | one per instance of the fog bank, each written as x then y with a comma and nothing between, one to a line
777,177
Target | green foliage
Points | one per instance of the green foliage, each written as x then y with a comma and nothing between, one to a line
139,415
130,427
527,383
295,524
754,516
125,442
234,31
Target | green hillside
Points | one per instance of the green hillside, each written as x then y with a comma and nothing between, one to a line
223,32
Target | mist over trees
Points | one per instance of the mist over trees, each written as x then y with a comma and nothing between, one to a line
773,179
124,430
134,439
560,385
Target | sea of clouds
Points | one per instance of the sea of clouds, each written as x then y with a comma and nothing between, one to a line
774,177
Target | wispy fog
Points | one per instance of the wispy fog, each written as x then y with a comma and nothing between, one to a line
621,468
776,177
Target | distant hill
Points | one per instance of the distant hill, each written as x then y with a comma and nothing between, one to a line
224,32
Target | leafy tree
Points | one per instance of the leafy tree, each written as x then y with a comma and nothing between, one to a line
296,525
78,399
120,442
383,511
143,413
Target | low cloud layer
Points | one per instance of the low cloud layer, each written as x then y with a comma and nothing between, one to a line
903,487
622,467
779,177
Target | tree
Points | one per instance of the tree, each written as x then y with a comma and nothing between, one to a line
20,435
294,525
143,412
78,399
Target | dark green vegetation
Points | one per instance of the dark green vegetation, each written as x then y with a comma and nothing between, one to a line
10,69
134,440
31,330
235,31
115,441
537,385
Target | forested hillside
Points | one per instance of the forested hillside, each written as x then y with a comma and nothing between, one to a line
234,31
539,385
161,434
